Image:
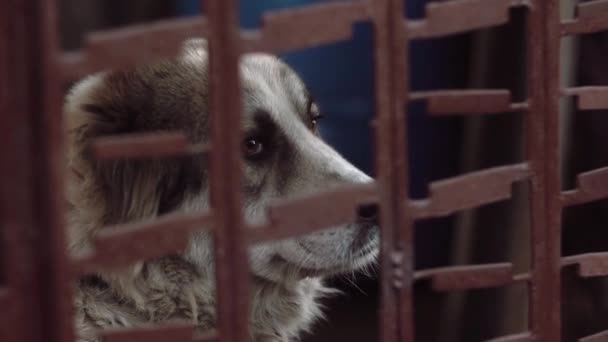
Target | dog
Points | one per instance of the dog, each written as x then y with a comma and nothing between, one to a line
283,157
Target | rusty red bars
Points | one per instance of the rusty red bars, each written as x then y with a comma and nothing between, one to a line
591,17
468,277
141,146
37,276
120,246
542,151
470,101
592,186
522,337
599,337
232,277
307,26
589,98
31,182
440,19
391,87
176,333
132,45
469,191
304,215
589,265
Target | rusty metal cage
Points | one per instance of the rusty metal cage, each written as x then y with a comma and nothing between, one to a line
37,274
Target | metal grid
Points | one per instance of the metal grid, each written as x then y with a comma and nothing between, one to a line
31,155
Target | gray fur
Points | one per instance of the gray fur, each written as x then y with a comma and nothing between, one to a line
173,95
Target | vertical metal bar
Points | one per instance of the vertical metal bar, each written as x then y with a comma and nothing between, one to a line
5,35
551,64
543,153
15,182
49,128
49,178
31,189
230,249
390,38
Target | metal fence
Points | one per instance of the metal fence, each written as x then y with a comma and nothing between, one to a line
37,274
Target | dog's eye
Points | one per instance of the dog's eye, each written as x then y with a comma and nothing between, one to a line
315,118
252,147
314,114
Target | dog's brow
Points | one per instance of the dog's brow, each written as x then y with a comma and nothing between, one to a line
263,121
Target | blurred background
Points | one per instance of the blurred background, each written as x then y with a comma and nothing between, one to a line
340,76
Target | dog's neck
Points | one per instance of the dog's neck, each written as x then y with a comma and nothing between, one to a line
171,290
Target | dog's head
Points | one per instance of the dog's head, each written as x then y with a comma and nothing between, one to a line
283,157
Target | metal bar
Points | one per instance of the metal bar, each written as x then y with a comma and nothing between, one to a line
474,101
599,337
142,146
31,187
50,181
232,276
523,337
468,277
119,246
543,154
390,53
589,264
440,19
592,16
307,26
469,191
590,97
310,213
175,333
128,46
16,200
591,186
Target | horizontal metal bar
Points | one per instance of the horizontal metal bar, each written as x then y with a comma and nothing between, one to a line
311,213
589,98
468,277
599,337
472,15
138,146
132,45
307,26
174,333
469,191
521,337
592,16
478,101
589,264
522,277
591,186
120,246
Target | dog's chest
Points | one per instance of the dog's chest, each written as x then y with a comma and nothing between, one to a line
280,314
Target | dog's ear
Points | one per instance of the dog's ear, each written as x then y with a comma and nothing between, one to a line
113,104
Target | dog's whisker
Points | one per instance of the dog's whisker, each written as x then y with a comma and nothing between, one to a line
355,285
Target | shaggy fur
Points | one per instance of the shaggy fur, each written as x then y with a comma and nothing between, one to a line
283,157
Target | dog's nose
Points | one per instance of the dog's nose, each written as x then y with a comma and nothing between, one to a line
368,213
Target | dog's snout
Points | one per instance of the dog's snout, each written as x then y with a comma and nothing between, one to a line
368,213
